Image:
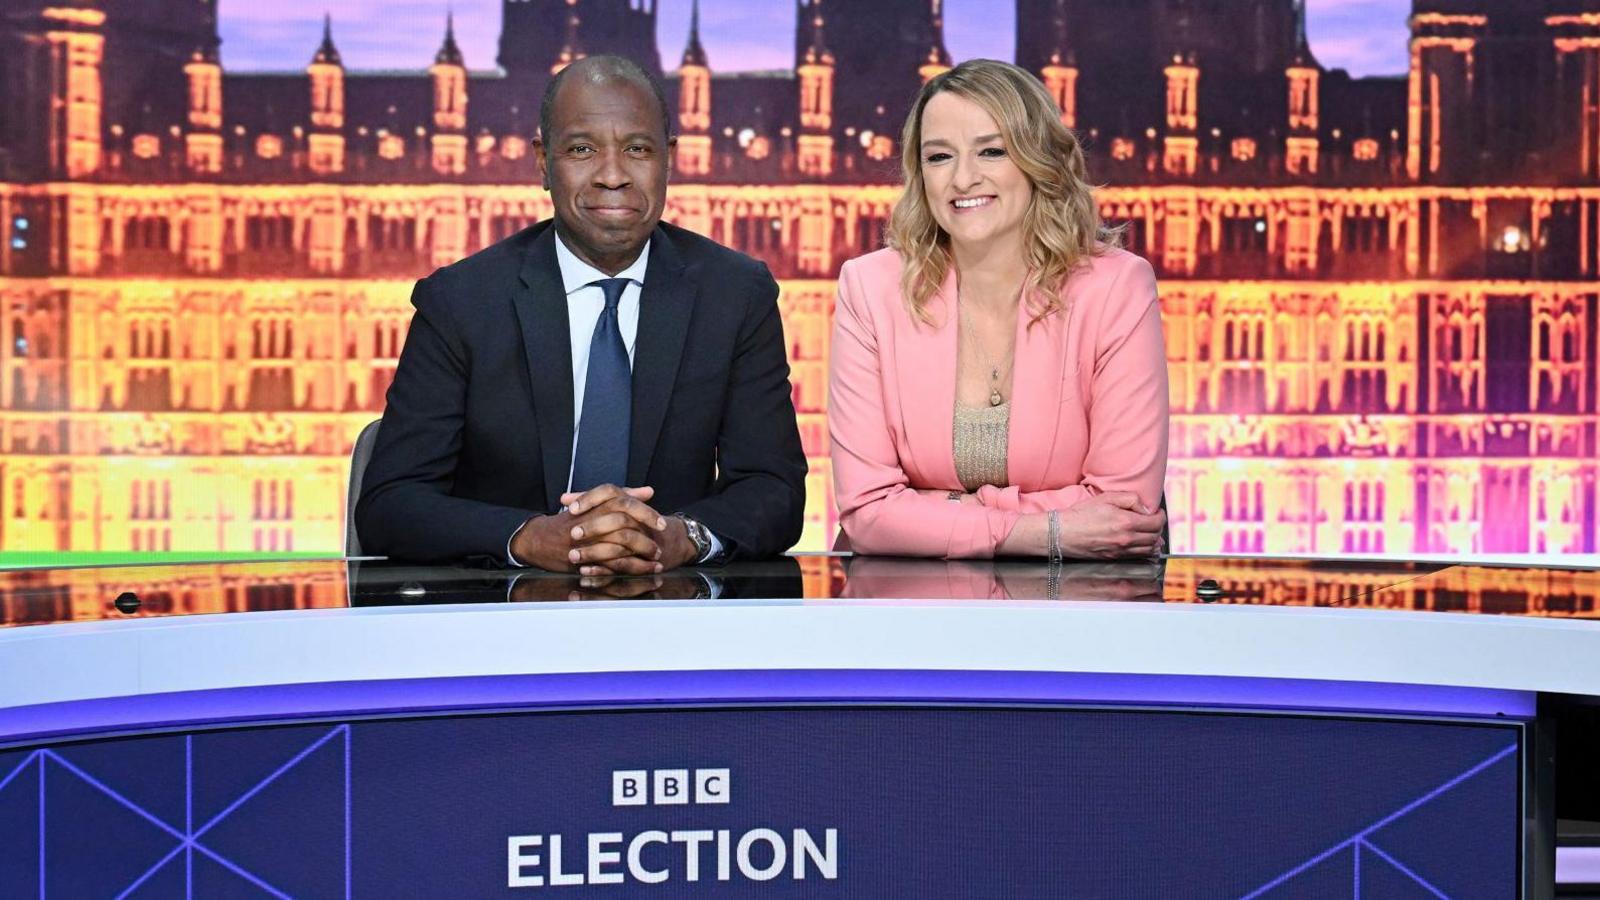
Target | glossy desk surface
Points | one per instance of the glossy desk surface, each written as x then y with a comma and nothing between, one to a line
88,594
204,627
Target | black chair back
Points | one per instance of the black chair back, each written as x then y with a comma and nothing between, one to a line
359,456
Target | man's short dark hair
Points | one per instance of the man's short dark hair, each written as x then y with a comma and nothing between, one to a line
598,70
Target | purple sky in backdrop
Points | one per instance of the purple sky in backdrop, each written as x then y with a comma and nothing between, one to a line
1368,37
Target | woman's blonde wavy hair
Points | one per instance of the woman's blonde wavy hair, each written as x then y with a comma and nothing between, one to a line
1061,227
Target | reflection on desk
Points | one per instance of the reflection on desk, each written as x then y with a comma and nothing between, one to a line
43,596
382,583
876,578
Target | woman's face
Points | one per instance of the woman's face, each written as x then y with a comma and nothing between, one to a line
978,195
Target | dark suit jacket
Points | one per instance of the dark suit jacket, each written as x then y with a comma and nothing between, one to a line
477,434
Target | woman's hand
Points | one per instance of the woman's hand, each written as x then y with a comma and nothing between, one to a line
1113,525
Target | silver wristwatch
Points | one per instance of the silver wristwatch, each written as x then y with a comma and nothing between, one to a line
699,535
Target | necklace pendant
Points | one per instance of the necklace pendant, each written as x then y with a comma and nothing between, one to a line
994,397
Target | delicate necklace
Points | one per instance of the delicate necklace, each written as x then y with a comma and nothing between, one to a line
995,398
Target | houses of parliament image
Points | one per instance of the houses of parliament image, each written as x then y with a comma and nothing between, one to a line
1380,295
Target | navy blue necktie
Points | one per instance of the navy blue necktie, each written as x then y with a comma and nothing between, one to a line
602,453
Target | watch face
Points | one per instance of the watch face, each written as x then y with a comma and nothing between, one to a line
699,535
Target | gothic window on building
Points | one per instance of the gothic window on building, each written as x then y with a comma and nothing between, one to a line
1364,501
149,340
1134,237
272,500
271,388
269,233
275,540
147,233
382,377
386,339
1244,235
158,540
870,231
272,339
506,225
386,234
1363,540
1364,249
149,390
1243,373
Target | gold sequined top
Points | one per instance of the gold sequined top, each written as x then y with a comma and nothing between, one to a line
980,445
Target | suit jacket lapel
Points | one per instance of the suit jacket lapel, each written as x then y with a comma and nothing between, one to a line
1037,381
925,362
541,307
665,307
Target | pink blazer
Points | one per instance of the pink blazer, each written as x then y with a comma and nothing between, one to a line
1088,408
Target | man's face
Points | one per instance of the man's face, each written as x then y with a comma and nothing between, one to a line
605,165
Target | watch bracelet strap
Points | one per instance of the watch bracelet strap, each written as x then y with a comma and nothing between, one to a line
702,552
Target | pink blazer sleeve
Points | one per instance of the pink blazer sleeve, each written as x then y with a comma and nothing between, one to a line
878,510
1127,406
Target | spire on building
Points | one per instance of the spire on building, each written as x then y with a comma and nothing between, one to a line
449,52
1060,53
694,54
937,54
571,52
815,74
1302,146
694,104
1060,74
1302,45
818,52
937,62
327,53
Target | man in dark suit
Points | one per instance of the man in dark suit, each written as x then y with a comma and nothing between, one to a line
599,393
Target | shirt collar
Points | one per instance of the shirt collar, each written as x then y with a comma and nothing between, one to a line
577,274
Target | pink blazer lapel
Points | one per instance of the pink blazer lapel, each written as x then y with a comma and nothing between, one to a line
1038,378
926,376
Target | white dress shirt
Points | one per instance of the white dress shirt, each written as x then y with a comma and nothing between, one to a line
585,301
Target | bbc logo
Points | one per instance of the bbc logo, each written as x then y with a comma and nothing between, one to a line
668,787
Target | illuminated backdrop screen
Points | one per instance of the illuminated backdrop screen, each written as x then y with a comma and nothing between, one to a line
1377,226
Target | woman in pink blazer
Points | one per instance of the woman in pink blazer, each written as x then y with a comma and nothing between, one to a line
998,380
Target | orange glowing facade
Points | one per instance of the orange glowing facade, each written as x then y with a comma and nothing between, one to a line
1380,295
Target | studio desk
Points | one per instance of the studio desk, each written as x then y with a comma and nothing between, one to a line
815,726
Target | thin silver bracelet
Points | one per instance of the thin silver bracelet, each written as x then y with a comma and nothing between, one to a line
1054,520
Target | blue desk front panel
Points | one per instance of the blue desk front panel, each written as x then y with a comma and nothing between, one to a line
815,801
